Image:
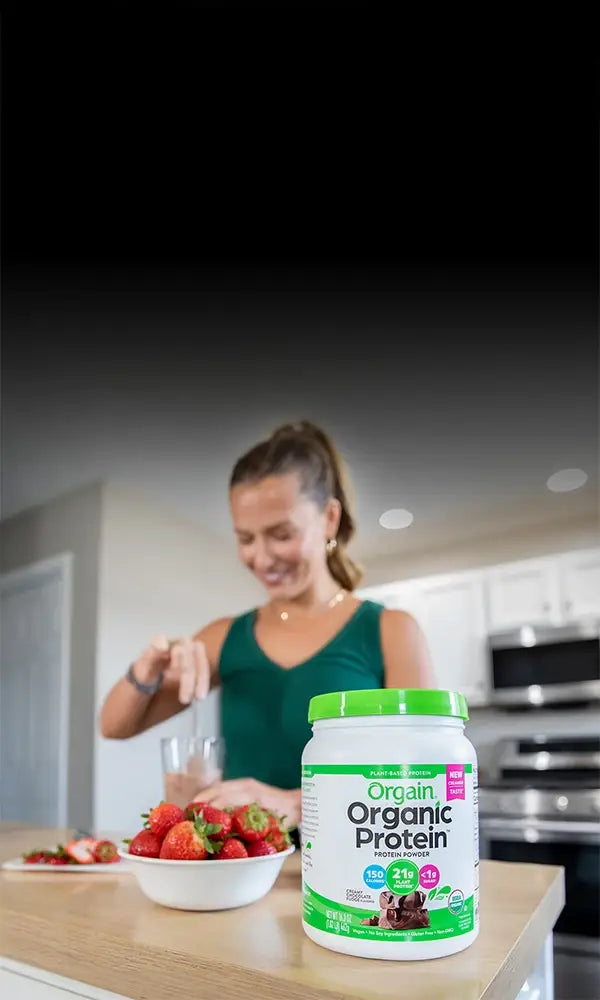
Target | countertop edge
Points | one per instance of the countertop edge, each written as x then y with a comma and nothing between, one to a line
512,974
72,960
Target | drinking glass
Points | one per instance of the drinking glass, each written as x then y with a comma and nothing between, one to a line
190,763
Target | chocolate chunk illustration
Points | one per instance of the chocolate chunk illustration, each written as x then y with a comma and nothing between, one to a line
371,921
415,919
389,918
387,899
414,901
403,913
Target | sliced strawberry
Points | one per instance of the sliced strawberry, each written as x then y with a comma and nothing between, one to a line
59,859
260,848
250,822
145,844
82,850
105,852
164,816
37,857
232,849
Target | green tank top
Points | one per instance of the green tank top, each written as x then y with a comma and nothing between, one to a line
264,707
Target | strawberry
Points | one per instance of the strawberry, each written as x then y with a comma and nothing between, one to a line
145,844
280,839
250,822
81,850
59,859
37,857
194,808
189,841
105,852
261,847
274,823
215,817
164,816
232,849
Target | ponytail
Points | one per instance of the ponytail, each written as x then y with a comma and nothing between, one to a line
306,449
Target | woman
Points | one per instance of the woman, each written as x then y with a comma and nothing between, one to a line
293,521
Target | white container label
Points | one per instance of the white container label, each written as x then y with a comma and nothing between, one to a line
390,851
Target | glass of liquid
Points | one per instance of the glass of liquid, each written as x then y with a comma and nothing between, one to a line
190,763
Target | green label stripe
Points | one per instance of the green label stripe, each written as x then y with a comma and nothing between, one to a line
345,921
381,771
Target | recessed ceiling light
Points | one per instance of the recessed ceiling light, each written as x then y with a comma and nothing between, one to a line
566,480
396,518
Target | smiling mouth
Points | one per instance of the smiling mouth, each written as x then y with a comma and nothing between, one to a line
275,579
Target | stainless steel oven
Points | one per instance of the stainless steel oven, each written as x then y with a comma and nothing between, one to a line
543,807
535,666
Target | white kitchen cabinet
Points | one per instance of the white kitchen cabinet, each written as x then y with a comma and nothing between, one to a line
405,595
452,615
26,982
523,593
580,584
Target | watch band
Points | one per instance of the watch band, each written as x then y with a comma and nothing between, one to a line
143,688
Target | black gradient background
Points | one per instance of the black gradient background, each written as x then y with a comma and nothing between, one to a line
220,220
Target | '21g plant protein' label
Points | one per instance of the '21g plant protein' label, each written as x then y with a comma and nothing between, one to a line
390,852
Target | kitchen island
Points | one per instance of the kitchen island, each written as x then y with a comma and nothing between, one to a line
65,935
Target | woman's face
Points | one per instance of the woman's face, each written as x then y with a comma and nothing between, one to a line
282,533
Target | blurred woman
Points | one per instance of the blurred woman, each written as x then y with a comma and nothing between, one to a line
293,521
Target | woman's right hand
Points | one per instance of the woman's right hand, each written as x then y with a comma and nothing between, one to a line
182,661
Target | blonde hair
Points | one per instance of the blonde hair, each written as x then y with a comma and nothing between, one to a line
307,450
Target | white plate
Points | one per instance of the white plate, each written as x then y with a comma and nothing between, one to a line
18,865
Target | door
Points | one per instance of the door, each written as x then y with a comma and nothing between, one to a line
453,619
580,584
35,627
523,593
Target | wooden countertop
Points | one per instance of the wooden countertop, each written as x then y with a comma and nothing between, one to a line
101,930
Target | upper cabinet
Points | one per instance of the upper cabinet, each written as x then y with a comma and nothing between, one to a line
402,596
458,611
580,584
523,593
451,611
452,615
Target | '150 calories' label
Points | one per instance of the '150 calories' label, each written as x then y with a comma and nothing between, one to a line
390,852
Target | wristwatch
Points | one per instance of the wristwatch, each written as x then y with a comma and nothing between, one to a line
143,688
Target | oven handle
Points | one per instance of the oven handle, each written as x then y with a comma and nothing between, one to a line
536,830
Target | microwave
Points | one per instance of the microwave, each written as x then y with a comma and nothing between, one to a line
533,666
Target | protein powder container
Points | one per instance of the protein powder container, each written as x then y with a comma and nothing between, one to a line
390,843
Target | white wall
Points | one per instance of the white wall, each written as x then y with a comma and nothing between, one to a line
487,550
158,573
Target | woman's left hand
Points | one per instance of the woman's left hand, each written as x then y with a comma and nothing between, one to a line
241,791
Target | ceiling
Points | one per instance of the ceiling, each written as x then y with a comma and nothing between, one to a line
452,392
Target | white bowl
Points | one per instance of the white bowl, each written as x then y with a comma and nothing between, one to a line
206,885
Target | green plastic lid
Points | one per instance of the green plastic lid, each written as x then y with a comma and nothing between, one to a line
387,701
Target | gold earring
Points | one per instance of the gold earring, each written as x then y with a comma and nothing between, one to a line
331,546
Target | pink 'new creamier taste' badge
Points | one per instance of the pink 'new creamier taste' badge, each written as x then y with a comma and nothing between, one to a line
455,781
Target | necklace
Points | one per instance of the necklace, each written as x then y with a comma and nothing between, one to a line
336,599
